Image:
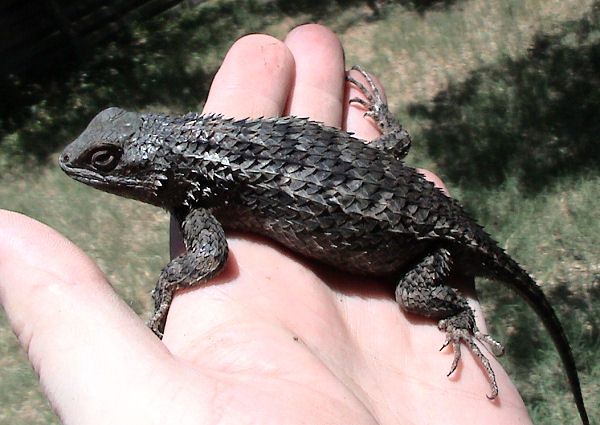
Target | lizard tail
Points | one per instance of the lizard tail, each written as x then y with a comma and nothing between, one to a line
531,292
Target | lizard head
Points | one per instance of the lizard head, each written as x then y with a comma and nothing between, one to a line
107,157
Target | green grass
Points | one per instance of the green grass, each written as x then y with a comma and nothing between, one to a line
554,235
502,100
128,240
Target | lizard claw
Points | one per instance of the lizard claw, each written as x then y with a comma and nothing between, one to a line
375,104
457,332
393,137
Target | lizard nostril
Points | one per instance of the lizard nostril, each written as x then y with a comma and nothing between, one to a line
64,159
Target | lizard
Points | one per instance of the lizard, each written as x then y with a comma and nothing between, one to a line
320,192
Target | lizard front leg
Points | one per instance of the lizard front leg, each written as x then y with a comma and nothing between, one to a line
422,290
206,255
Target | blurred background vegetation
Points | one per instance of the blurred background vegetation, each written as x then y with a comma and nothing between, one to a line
502,100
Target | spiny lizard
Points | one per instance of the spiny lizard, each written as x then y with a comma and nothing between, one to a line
317,190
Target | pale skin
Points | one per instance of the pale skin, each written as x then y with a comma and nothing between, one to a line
274,339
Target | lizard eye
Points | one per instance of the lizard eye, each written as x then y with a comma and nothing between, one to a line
105,159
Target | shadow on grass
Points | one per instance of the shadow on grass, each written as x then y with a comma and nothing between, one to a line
536,118
161,62
424,6
165,63
320,8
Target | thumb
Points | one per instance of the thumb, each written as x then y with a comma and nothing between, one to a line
77,333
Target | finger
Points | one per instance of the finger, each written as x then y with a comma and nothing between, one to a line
76,331
254,79
318,89
356,122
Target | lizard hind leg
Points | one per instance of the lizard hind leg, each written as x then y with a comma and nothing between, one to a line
394,138
423,291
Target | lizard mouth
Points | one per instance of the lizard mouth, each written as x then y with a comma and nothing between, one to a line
124,186
95,179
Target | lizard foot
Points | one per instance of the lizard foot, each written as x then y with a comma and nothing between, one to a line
205,256
162,301
461,328
375,104
393,137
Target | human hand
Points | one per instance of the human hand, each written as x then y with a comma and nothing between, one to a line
273,339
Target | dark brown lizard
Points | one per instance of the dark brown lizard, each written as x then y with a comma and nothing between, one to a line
318,191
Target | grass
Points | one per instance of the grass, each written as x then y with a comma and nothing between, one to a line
129,242
555,236
501,99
